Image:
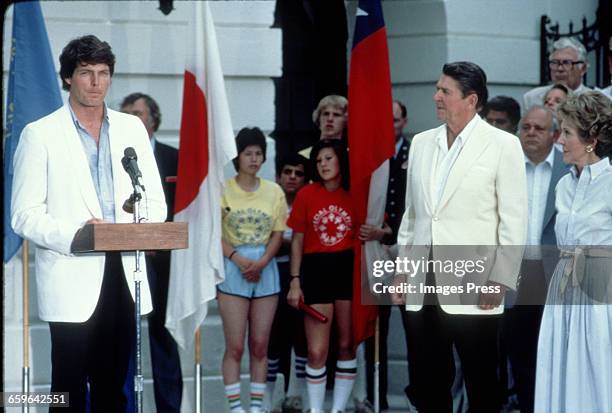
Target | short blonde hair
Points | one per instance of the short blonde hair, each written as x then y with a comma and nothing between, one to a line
335,101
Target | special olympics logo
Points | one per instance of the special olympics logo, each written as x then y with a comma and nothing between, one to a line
332,224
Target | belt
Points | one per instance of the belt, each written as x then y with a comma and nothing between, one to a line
576,268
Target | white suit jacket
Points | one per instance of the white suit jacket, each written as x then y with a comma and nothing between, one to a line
484,203
54,195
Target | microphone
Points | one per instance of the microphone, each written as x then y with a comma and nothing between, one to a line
130,164
128,205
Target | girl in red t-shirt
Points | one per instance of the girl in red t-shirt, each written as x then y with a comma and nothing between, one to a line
322,269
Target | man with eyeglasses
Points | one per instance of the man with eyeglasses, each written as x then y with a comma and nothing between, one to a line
567,64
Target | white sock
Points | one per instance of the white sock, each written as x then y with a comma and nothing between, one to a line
257,393
315,383
346,370
232,392
270,383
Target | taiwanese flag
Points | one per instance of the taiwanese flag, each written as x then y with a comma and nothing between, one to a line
206,146
371,138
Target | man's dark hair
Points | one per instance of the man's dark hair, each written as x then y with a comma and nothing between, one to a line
84,50
293,159
504,104
471,79
154,111
339,148
249,137
402,108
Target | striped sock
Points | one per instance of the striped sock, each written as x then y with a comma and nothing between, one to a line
232,392
315,383
270,383
257,393
300,368
300,380
346,370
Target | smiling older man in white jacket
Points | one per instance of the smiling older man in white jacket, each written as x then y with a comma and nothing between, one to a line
68,173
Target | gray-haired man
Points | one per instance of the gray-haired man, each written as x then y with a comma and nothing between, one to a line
567,64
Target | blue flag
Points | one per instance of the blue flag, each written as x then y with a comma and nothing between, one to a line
33,92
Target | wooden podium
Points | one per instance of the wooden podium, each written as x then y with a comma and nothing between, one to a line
131,237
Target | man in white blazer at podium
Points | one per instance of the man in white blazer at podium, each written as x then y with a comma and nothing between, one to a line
466,186
68,173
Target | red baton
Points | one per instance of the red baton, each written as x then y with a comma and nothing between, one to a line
312,312
170,179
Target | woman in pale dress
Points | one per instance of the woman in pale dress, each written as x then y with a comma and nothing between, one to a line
574,367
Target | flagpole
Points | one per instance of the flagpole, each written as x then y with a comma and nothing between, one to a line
377,365
198,373
25,384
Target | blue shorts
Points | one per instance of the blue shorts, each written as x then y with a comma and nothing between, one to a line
236,284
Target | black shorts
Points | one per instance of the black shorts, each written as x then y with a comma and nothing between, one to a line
327,277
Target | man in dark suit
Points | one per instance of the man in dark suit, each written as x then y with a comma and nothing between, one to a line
398,164
544,166
394,210
167,378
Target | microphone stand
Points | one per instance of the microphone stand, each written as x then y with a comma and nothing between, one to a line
138,378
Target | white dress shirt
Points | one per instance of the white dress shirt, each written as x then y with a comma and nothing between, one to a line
446,157
538,183
606,91
584,206
153,142
398,145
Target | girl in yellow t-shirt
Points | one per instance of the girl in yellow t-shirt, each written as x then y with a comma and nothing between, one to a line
254,213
